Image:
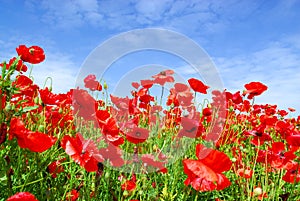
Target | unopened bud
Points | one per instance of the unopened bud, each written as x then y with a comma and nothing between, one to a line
257,191
105,85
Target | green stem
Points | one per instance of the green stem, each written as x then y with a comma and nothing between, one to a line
162,94
51,81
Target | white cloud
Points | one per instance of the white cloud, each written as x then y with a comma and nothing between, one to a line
60,68
277,66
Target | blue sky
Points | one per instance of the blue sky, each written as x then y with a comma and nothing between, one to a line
247,40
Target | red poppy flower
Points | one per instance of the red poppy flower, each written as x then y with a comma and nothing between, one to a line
293,173
25,86
83,152
137,135
109,127
129,185
49,98
120,103
136,85
293,140
34,141
55,167
113,154
291,109
147,83
163,77
84,104
22,196
245,172
190,128
198,86
33,54
278,157
237,98
91,83
183,94
205,174
254,89
73,195
150,161
207,111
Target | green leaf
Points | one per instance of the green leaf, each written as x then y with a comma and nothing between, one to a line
27,109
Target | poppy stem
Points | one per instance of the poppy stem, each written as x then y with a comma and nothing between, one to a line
48,78
162,94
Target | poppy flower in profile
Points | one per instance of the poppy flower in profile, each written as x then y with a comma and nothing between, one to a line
205,174
34,141
254,89
291,109
33,54
22,196
163,77
137,135
198,86
147,83
25,86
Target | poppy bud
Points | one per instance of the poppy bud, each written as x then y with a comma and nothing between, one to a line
3,133
125,193
7,159
257,191
105,85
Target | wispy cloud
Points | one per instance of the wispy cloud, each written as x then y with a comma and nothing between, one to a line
186,16
277,65
60,68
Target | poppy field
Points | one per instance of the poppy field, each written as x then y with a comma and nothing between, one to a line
87,144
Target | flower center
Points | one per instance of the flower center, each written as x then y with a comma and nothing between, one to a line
138,134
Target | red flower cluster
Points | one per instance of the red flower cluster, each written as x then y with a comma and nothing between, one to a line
37,118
